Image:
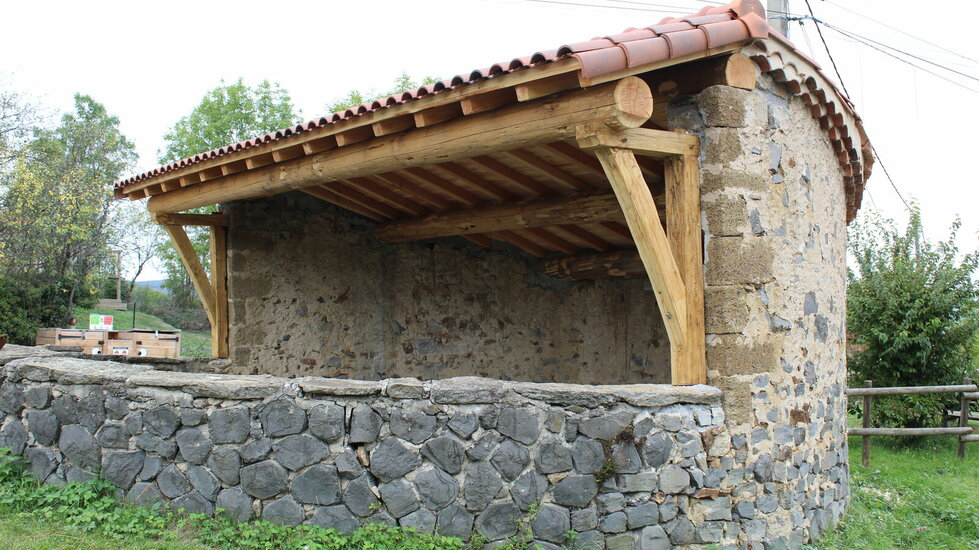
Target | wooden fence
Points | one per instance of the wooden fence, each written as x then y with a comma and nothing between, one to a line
969,391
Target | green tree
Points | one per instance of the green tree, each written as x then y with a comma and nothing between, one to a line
913,313
354,98
227,114
57,216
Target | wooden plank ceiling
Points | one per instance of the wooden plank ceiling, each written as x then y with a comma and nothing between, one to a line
557,177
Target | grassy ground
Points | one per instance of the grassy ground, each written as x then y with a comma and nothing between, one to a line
27,533
192,344
912,497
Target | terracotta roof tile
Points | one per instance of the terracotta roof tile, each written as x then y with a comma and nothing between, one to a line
672,37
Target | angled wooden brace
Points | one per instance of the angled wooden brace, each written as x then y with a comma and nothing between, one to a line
674,264
213,292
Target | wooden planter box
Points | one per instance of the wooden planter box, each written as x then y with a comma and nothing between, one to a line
145,343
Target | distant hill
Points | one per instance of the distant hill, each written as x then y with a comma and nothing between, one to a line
155,285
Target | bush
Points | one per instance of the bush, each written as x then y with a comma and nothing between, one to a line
913,312
25,307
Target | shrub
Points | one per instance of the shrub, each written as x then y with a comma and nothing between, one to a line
913,312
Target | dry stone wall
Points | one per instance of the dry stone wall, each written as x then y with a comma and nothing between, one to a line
624,466
314,293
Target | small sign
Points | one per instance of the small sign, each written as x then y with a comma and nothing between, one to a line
120,351
99,322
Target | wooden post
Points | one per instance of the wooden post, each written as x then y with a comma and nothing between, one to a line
964,417
867,400
219,282
188,256
686,241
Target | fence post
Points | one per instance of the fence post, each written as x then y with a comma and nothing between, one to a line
964,418
866,423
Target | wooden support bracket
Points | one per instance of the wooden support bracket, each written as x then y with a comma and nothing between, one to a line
674,264
212,291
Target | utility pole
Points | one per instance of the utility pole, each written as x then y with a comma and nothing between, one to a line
778,10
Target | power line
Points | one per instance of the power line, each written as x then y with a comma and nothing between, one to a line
909,35
873,150
655,8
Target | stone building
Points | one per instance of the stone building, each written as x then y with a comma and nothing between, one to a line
606,279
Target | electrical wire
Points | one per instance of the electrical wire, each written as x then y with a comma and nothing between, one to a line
909,35
654,8
873,149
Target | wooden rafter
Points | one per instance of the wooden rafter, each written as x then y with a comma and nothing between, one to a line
521,215
626,103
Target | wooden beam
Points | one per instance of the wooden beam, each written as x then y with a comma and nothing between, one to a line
684,230
514,176
393,125
521,215
561,177
219,285
188,256
547,86
219,220
621,263
626,103
642,141
437,115
637,204
488,101
737,70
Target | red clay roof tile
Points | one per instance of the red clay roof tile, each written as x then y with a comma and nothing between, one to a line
672,37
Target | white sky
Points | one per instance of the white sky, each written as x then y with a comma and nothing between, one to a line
150,64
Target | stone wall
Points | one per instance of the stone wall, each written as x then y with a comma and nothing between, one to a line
775,235
314,293
452,456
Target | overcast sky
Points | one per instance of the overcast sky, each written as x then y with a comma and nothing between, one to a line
151,62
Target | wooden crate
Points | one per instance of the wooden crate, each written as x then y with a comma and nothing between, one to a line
147,343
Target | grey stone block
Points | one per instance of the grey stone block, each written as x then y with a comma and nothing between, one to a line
447,453
298,451
112,435
153,444
161,421
436,488
283,511
38,397
42,462
281,417
152,464
75,442
588,455
391,460
359,496
44,425
264,479
399,498
576,491
11,397
335,517
193,503
553,457
519,423
235,503
347,465
484,446
230,425
481,486
510,459
654,538
657,449
144,493
412,425
613,523
225,463
116,408
454,521
193,445
256,450
320,484
326,422
65,408
642,515
552,523
204,482
121,467
421,520
192,417
528,489
365,424
606,426
498,521
674,479
173,482
463,424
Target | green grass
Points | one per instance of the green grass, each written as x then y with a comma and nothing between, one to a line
192,343
912,497
23,532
